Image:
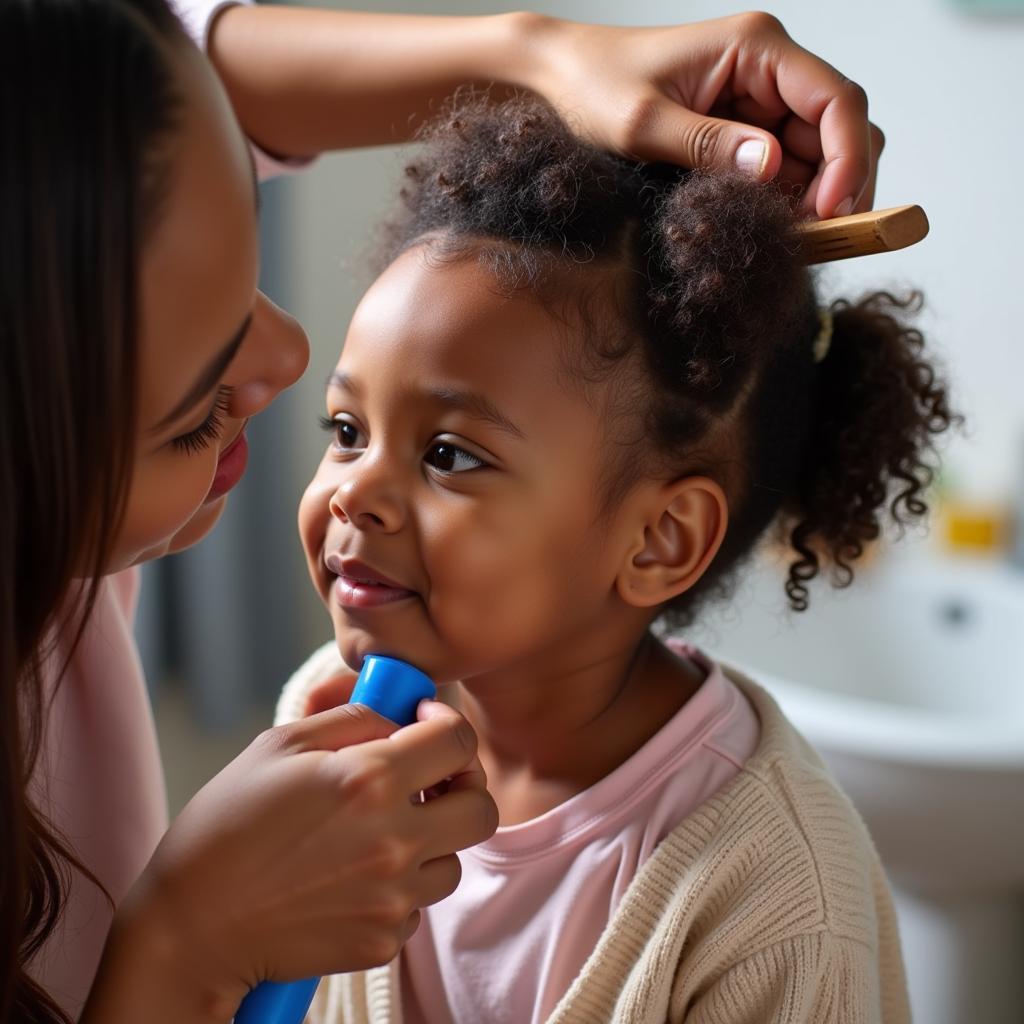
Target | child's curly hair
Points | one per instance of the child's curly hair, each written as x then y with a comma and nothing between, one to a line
718,312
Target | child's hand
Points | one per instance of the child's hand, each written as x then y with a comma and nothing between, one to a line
693,94
307,856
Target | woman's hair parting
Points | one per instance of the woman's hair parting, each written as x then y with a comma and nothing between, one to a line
86,131
822,422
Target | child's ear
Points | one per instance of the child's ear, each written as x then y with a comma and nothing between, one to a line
683,524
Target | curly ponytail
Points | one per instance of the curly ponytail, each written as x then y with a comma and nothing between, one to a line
708,334
878,406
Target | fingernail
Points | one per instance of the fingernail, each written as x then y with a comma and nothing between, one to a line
750,157
845,207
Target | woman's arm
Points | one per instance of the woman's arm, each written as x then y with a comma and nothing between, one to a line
146,974
303,81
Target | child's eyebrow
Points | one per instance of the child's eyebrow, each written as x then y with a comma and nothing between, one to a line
478,406
470,402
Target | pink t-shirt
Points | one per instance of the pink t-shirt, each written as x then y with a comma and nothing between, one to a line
100,781
534,899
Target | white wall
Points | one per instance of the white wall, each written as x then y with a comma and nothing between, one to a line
946,88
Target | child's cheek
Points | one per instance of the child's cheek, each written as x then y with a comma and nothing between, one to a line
314,521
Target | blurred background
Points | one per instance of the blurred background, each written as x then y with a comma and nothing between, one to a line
222,626
226,622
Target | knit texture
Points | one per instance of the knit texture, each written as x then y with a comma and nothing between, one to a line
767,905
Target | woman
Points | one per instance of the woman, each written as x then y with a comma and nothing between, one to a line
135,348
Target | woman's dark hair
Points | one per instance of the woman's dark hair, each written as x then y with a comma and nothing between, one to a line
712,350
87,108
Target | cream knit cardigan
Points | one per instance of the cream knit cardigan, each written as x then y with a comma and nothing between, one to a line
766,905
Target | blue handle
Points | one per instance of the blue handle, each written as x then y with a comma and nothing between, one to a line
392,689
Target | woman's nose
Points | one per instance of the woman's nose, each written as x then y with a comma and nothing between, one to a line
368,496
271,358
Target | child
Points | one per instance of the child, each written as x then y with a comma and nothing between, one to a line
575,398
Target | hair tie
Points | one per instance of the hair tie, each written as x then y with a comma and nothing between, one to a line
823,340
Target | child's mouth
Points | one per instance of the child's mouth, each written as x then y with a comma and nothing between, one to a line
360,586
356,593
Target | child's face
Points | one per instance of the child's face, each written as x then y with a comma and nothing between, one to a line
453,520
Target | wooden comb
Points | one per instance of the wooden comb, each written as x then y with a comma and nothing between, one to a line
861,234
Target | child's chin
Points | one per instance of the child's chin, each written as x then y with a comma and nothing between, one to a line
354,647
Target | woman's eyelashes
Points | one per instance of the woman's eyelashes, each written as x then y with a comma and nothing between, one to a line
210,429
443,456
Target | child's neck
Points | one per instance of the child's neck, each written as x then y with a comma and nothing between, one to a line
544,737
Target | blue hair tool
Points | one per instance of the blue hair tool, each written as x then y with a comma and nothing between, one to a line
392,689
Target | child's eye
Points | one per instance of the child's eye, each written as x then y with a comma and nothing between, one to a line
209,430
346,435
450,458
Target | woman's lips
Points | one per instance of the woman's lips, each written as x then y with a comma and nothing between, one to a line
355,593
230,467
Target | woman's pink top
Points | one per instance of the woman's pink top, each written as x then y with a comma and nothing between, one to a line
100,781
534,899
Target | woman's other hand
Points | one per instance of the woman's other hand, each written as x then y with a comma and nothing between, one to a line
735,92
307,855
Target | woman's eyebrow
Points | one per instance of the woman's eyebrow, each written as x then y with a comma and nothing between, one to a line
208,378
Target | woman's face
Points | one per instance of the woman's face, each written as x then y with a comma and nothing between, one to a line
213,351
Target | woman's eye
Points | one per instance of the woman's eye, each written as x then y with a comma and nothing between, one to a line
345,435
449,458
210,429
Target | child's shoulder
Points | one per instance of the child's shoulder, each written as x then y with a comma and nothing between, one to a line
772,880
780,843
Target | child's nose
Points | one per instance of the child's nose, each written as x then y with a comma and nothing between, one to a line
271,358
368,496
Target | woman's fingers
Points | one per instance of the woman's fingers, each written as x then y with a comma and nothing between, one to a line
334,729
437,880
330,693
837,109
867,197
720,94
670,132
455,821
441,745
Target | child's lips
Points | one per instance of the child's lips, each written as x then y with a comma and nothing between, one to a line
358,585
353,593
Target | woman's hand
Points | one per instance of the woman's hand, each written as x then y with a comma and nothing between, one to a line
735,92
307,855
303,81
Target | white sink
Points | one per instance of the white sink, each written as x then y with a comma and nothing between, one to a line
911,684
